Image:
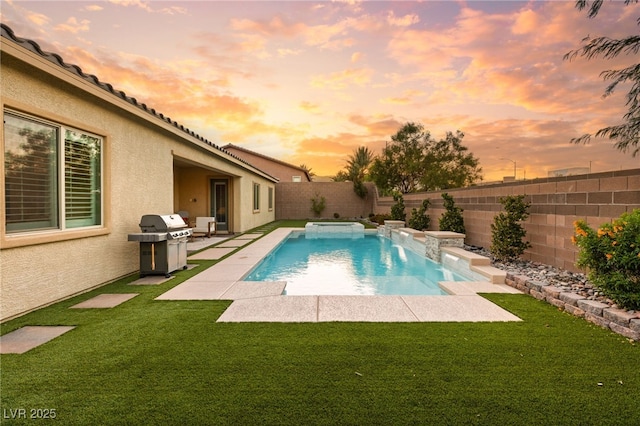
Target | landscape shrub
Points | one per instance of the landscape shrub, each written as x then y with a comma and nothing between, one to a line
507,232
611,256
397,210
419,219
318,203
379,218
451,220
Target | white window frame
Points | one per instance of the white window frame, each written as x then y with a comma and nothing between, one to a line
64,223
270,198
256,197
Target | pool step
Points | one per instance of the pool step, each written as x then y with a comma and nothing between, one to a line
478,264
494,275
473,259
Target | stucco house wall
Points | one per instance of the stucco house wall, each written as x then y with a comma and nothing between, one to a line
150,165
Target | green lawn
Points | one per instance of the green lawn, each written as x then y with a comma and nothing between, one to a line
169,362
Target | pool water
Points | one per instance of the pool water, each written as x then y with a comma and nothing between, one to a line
368,265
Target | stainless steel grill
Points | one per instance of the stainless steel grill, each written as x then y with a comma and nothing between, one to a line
163,244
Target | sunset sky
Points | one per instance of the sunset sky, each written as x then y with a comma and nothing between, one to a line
309,82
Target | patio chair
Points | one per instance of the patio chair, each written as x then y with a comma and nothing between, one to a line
204,226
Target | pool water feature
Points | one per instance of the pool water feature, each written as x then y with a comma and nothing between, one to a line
366,264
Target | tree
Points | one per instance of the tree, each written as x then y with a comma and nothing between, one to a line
358,169
308,170
451,166
414,161
626,135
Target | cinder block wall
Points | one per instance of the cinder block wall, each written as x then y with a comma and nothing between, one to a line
555,204
293,200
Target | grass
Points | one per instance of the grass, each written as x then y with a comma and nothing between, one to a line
169,362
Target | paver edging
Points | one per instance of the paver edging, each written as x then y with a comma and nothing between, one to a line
616,320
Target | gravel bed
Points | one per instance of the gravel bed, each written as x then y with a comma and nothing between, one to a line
565,280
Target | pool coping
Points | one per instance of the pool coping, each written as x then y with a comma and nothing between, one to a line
264,302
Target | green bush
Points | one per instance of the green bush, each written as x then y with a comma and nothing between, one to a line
379,218
318,203
397,210
611,255
452,219
507,232
419,219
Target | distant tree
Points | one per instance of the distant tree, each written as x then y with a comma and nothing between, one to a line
358,169
626,135
308,170
341,176
414,161
450,165
400,166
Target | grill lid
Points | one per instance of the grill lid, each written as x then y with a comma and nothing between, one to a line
161,223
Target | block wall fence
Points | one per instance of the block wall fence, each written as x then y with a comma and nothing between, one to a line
555,204
293,200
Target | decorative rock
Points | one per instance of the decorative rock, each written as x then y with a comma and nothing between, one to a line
618,316
574,310
571,298
552,291
624,331
596,319
536,285
555,302
634,324
592,307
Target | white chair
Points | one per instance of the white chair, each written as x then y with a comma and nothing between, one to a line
205,226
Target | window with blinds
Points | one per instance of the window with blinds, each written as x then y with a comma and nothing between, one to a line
48,177
82,179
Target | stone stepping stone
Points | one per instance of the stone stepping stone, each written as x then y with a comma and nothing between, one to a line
212,253
151,280
249,236
234,243
29,337
105,301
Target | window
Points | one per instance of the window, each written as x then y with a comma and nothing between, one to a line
296,178
256,196
52,175
270,199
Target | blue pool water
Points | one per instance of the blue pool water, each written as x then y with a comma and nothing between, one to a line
369,265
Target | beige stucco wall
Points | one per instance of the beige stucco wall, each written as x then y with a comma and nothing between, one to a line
139,158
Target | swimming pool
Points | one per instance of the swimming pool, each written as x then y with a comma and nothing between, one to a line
364,265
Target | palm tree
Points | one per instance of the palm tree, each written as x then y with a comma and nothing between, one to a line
307,169
358,163
358,169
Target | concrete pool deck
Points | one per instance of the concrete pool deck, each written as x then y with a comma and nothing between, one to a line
264,302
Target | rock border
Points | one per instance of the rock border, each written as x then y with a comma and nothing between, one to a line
619,321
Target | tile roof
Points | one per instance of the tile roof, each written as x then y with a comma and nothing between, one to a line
239,148
7,33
